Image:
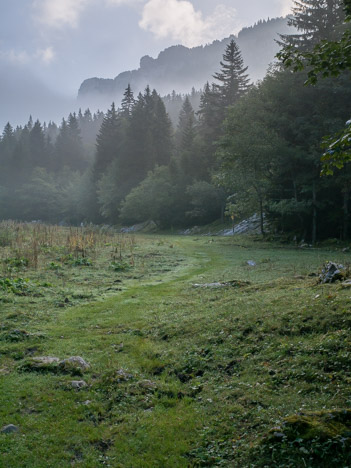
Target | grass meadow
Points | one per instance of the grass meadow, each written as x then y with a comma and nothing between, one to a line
255,374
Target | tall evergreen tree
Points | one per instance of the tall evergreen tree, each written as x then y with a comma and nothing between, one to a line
186,126
128,102
37,147
107,143
315,20
233,80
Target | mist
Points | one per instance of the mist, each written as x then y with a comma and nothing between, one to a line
23,95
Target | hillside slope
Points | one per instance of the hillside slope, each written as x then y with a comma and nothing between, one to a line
180,68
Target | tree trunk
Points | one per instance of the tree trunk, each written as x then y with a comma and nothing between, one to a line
222,212
314,215
261,217
346,213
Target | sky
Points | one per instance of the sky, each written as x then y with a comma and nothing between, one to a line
49,47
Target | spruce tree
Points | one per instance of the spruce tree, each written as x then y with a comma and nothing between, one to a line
186,126
233,80
37,147
107,142
315,20
128,102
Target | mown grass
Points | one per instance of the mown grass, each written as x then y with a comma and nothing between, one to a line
180,376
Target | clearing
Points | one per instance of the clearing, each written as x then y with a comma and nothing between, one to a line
255,373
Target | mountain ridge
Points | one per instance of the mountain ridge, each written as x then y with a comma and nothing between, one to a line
181,68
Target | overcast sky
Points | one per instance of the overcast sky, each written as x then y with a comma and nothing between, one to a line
59,43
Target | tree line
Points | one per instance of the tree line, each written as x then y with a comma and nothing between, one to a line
236,149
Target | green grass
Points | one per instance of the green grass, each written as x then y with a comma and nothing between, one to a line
179,376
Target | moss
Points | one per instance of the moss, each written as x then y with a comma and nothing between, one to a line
321,425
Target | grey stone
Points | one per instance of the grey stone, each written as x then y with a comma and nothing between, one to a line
148,226
75,362
45,360
332,272
226,284
78,384
211,285
9,429
251,263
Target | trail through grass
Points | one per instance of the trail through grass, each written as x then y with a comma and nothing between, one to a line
178,376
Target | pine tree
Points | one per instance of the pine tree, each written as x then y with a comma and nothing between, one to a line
234,82
107,142
186,126
315,20
37,147
128,102
76,151
7,146
160,132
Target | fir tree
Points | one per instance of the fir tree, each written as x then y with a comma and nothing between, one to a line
107,142
186,126
128,102
315,20
37,146
234,82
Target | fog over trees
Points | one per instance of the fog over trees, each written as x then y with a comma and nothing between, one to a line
232,146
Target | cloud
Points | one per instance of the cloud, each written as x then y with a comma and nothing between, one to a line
16,57
179,20
286,6
46,55
124,2
22,57
59,13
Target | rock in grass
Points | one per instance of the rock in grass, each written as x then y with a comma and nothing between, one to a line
9,429
211,285
78,384
219,285
332,272
74,363
41,364
46,360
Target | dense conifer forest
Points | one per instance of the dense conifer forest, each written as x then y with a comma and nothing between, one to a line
233,148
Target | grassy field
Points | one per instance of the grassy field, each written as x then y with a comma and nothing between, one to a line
252,375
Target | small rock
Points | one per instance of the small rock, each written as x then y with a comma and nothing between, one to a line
211,285
78,384
346,284
147,384
123,376
44,360
251,263
10,429
75,362
86,402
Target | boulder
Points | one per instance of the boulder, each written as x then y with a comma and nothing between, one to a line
74,364
332,272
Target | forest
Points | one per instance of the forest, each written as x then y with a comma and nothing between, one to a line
234,149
